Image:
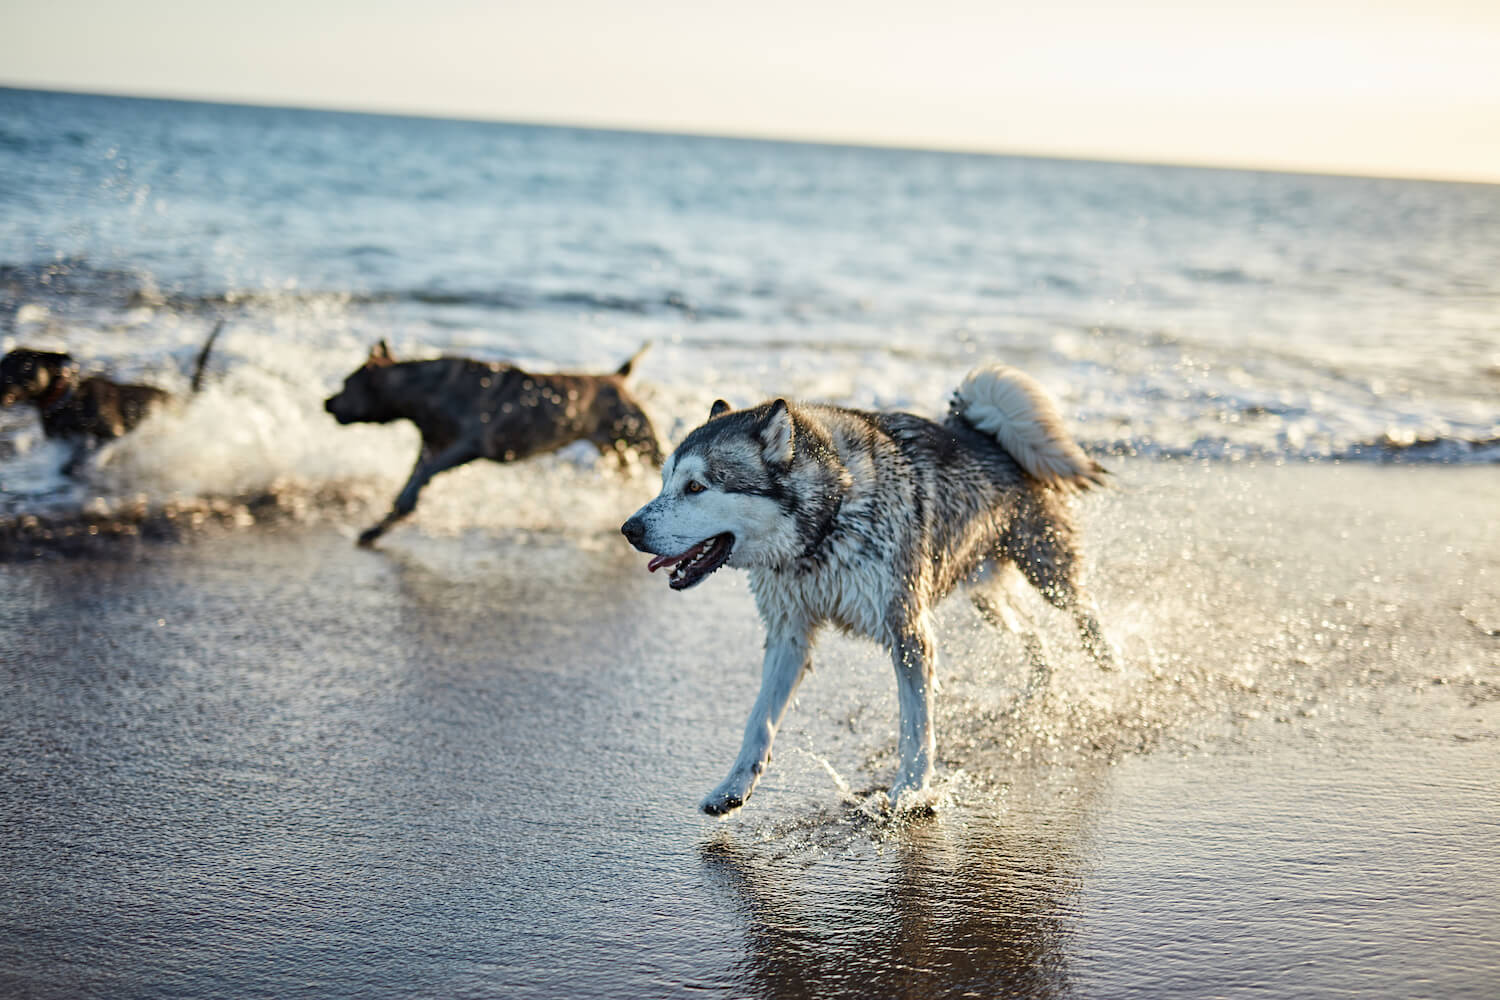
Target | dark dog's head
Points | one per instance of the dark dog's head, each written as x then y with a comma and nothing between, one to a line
361,399
27,376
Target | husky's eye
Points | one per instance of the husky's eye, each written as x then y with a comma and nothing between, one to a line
694,486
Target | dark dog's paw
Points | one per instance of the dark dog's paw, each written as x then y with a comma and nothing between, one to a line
368,536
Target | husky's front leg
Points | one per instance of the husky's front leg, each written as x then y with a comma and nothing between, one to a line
915,657
787,659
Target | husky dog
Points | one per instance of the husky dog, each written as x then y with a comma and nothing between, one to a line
471,409
865,521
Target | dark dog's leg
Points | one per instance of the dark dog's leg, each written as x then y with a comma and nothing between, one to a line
82,451
428,465
788,656
607,449
623,439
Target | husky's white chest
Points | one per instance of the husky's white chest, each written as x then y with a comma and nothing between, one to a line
856,598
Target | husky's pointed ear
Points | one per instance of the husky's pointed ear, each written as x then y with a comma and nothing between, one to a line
777,437
718,409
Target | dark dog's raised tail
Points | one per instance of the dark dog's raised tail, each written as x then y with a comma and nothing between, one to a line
624,370
208,345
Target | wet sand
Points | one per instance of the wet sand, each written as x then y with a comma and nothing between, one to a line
261,762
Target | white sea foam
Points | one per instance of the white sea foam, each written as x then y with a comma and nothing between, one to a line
259,427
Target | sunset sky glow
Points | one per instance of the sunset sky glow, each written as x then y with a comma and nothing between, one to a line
1399,88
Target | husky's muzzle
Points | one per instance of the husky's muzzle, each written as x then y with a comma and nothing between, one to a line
689,568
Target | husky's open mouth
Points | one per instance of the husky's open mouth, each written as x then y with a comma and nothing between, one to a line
692,566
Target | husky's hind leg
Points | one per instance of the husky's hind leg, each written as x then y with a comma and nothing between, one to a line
992,595
1050,562
1095,643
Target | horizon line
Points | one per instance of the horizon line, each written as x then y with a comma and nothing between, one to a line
788,138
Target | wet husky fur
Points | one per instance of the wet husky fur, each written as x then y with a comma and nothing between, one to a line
865,521
472,409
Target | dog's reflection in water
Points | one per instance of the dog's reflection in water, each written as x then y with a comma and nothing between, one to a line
923,917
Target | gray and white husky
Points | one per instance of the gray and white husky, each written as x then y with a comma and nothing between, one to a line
865,521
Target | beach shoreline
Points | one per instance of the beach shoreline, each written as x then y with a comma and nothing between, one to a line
260,761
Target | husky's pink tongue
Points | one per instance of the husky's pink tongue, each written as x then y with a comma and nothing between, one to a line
660,561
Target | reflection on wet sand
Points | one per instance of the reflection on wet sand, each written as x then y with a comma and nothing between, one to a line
960,907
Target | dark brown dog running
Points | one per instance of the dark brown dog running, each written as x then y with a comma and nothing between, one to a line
87,411
472,409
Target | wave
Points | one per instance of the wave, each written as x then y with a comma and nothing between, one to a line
70,278
515,299
1426,450
40,145
1223,276
75,282
1390,449
256,446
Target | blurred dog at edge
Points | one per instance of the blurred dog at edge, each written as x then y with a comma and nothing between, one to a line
86,411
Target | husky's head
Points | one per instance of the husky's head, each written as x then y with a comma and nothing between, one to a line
729,496
361,399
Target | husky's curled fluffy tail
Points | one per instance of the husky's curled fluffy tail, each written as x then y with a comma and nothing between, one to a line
1014,408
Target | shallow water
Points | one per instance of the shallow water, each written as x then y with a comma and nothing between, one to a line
267,763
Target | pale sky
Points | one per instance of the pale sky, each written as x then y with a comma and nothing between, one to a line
1393,87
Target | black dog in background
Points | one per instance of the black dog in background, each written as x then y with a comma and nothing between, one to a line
86,411
471,409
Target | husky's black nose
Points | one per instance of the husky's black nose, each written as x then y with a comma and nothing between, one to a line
634,531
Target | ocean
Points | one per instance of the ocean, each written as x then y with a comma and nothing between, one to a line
1176,313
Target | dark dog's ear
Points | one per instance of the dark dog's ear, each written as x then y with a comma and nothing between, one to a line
718,409
380,354
778,435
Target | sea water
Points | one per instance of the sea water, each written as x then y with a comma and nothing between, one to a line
1213,314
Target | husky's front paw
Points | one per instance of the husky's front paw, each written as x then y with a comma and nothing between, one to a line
724,800
719,804
911,796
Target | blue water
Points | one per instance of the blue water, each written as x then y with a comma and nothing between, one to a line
1174,311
